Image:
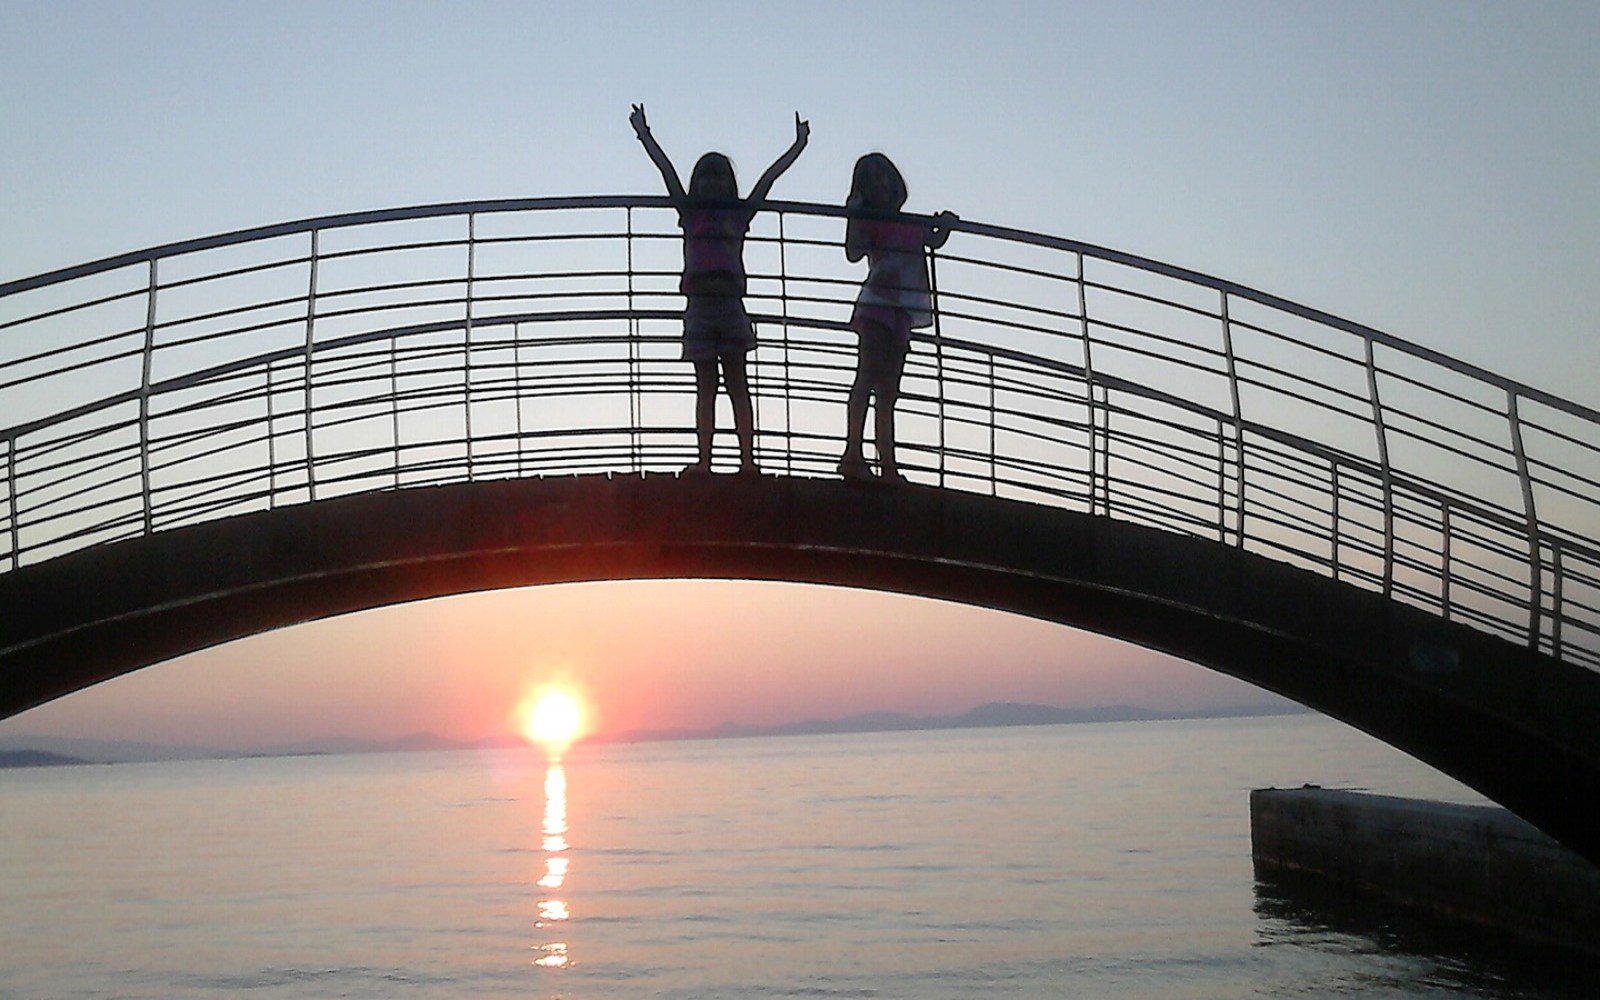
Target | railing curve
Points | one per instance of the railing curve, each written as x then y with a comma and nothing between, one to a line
476,340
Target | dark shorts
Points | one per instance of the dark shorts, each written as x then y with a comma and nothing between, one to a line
881,351
896,321
714,325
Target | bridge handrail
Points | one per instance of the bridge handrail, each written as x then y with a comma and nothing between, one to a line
488,206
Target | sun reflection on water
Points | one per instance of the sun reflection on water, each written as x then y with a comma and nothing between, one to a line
553,954
555,872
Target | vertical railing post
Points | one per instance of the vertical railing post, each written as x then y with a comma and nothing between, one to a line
272,444
753,381
144,400
516,368
938,357
1222,483
635,401
1100,449
994,474
788,394
311,326
1088,386
11,500
1334,529
1383,469
1535,568
394,404
1238,422
1444,561
1557,610
466,338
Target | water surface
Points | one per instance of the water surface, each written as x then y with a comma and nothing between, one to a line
1104,860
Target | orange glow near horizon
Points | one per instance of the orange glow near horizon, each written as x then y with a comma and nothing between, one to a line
553,716
646,655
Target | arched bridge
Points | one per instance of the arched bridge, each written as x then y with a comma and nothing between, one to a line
209,439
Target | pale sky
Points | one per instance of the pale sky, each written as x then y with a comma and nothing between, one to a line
1429,169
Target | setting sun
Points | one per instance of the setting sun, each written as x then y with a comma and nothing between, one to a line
551,716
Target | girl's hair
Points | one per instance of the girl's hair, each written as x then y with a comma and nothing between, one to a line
709,163
858,182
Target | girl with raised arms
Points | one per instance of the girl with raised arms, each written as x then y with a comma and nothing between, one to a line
717,331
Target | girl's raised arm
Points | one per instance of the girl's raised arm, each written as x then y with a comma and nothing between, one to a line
658,156
802,133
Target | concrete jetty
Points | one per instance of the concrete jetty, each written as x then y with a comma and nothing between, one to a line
1473,864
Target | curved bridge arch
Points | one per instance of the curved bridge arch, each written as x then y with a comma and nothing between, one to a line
230,434
1500,718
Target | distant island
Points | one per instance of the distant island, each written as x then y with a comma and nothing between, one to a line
41,751
37,758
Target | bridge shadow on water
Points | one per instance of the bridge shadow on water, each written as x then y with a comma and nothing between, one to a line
1303,910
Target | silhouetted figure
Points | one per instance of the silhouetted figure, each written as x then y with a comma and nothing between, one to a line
894,300
716,328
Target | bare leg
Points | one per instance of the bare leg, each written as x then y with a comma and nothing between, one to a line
705,410
884,424
853,465
887,393
855,424
744,423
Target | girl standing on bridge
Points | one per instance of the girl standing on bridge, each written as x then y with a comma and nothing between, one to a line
716,329
895,299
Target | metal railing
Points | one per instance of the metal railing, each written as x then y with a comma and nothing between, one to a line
438,344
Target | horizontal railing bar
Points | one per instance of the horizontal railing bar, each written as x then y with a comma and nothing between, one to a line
1400,430
998,265
1279,389
1102,325
38,477
1135,294
325,222
29,458
1592,450
1246,364
947,298
1280,336
133,293
637,201
1497,412
57,371
1445,429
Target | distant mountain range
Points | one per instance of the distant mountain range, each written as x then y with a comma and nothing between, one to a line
984,716
34,751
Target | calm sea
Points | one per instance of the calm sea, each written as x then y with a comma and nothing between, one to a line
1060,861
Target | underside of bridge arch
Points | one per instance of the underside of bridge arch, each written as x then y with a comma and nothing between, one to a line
1514,724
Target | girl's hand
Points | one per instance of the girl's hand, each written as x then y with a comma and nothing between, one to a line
939,232
640,127
802,130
